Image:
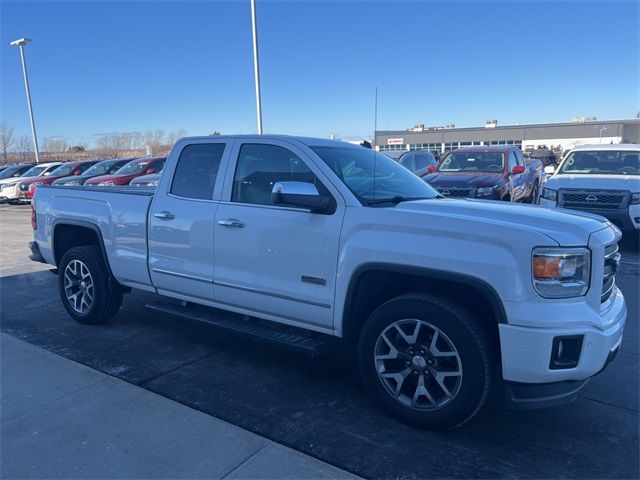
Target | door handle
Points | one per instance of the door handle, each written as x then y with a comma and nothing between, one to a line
164,215
231,222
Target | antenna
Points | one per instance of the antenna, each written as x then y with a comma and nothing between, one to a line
375,143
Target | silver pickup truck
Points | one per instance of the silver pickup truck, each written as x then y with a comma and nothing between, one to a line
445,298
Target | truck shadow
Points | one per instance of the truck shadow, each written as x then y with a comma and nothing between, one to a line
318,405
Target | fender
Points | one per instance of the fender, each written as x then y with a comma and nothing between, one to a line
349,325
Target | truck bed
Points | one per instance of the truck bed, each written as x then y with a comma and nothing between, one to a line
118,213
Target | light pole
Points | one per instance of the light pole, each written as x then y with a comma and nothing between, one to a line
602,130
256,65
21,42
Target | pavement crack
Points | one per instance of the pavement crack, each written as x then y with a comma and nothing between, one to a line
222,477
626,409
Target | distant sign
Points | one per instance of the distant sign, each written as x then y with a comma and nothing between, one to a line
395,141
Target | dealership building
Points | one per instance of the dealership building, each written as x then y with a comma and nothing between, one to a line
554,136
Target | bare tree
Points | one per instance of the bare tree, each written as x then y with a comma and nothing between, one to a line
172,137
154,140
6,139
55,147
24,147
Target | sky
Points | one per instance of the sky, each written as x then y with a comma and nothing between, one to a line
120,66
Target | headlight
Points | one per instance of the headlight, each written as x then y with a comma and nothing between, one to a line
106,184
484,191
153,184
635,198
561,272
71,183
549,194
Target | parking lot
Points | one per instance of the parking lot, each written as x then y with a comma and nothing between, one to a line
318,405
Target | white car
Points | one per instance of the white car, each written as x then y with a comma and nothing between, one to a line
10,187
602,179
445,298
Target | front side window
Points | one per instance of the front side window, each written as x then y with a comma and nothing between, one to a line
136,166
513,162
196,171
610,162
62,170
473,162
409,162
261,166
34,171
372,176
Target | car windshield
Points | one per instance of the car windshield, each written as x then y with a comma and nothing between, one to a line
10,171
473,162
357,167
63,170
101,168
35,171
610,162
132,167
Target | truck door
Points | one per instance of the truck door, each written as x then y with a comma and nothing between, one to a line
181,220
269,259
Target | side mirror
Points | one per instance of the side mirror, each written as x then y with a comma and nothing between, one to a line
431,168
301,195
549,169
149,171
517,169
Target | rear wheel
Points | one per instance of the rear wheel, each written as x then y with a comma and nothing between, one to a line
533,198
426,360
83,282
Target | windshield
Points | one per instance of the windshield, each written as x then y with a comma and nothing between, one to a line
101,168
132,167
11,171
35,171
473,162
355,167
63,170
610,162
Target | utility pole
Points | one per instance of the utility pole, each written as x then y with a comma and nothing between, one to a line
21,42
256,65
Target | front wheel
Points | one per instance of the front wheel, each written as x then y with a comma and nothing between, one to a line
426,360
83,282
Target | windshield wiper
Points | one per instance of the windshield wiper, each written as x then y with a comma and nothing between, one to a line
395,200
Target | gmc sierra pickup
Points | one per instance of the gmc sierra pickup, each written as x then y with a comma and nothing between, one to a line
308,238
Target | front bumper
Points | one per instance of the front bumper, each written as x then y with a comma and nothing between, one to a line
626,219
9,193
527,351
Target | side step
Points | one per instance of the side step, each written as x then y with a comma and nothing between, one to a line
283,336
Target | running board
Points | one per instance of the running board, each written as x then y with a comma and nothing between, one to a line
282,336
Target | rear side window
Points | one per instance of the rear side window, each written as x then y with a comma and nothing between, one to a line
197,169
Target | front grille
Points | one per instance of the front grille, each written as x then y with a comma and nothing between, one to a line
611,261
456,192
593,199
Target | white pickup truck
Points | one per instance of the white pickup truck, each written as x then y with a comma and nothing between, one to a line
602,179
303,238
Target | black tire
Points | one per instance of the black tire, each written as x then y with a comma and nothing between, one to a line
533,198
469,339
105,302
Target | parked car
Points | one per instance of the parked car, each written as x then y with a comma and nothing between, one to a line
146,180
546,156
15,171
602,179
444,298
27,187
102,167
135,168
418,161
490,173
10,188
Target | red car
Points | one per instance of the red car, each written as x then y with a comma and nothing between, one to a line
28,187
133,169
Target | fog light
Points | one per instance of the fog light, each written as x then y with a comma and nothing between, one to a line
565,352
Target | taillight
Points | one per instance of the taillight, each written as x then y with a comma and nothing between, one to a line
34,222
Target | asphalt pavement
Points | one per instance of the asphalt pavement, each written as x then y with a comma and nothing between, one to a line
318,406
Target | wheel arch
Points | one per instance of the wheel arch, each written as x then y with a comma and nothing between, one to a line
373,284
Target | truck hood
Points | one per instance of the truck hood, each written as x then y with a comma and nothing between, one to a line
464,179
598,182
566,227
